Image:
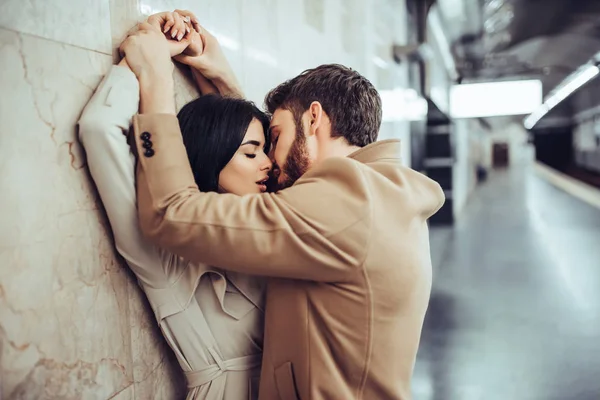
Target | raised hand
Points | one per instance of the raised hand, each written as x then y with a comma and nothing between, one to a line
177,30
147,51
205,55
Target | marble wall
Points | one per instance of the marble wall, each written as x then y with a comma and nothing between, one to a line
73,322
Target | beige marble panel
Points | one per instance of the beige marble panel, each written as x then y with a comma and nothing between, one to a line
83,23
64,301
225,19
124,15
126,394
263,64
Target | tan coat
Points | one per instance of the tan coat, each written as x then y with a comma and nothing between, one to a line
347,248
211,318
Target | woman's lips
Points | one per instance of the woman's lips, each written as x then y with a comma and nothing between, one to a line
262,184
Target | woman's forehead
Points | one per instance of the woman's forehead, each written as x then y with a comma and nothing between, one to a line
255,132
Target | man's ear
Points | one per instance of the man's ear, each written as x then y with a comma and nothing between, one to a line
315,114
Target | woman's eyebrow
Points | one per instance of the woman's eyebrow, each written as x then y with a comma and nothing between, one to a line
251,142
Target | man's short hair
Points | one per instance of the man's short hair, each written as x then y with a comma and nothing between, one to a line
349,99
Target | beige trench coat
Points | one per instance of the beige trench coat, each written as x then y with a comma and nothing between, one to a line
346,247
212,319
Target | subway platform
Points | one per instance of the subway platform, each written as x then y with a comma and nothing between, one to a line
515,304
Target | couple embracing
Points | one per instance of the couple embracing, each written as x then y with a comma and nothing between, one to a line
285,253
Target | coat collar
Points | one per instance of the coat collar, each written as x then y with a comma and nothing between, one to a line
384,149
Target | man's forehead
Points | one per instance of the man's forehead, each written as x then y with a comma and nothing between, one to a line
281,116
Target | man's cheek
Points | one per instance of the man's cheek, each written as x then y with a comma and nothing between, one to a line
279,158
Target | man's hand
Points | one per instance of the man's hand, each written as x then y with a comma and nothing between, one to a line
206,56
148,56
147,52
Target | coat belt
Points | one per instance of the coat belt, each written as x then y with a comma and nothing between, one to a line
213,371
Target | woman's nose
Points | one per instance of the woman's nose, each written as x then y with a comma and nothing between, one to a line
267,164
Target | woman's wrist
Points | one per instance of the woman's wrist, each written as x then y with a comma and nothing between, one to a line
224,80
204,84
228,86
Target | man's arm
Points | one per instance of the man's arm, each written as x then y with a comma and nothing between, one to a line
317,230
294,234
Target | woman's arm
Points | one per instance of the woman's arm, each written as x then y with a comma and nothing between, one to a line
102,128
204,85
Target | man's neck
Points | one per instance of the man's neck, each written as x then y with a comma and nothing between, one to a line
340,148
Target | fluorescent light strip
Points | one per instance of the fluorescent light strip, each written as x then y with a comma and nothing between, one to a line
571,84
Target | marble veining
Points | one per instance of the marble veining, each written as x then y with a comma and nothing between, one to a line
84,23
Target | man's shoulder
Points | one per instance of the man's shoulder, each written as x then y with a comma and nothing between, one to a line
341,175
333,193
344,169
335,168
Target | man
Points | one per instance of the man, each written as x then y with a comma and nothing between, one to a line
345,241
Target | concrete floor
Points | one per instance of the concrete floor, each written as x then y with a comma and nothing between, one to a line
515,306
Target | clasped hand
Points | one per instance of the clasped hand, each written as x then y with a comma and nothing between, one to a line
180,36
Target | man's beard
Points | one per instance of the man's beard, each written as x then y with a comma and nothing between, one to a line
297,162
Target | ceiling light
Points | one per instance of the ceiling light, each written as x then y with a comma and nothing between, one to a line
567,87
490,99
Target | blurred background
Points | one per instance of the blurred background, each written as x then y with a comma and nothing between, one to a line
497,100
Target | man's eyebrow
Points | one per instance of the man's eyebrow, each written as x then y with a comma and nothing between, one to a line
251,142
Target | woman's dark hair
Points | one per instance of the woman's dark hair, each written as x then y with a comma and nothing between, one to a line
213,128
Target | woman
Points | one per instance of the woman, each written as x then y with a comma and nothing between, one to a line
212,319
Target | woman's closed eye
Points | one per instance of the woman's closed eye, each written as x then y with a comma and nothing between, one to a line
251,155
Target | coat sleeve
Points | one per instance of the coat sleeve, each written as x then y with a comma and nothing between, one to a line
314,230
102,132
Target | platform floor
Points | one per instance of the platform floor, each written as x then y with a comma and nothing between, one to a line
515,305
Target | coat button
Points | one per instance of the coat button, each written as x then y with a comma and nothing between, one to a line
147,144
149,153
145,135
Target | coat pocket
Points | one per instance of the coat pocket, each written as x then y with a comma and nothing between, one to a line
284,380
